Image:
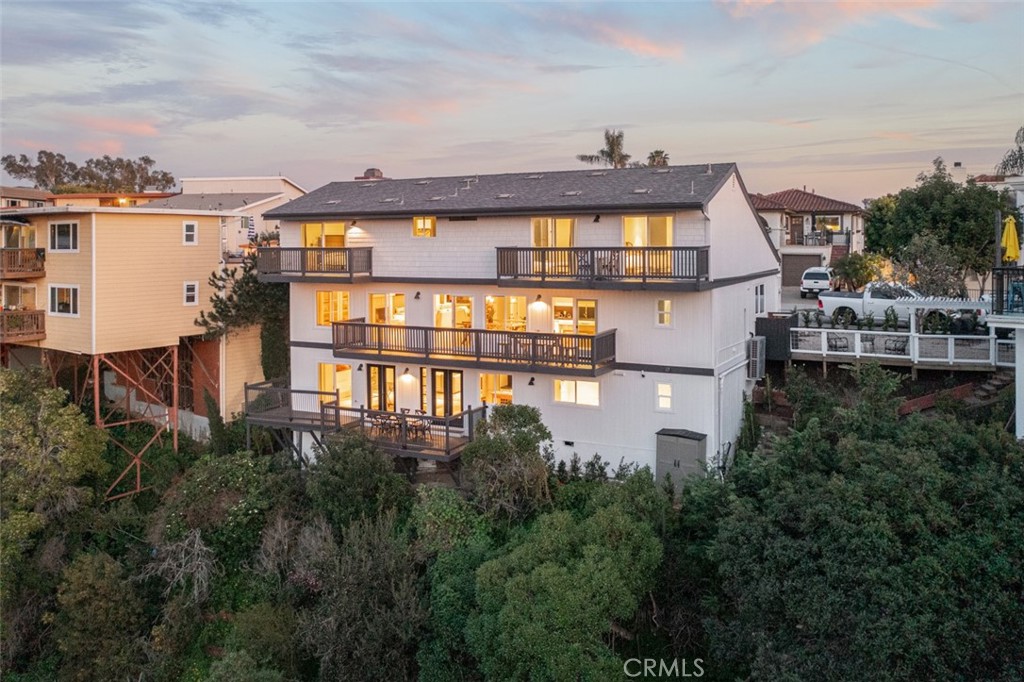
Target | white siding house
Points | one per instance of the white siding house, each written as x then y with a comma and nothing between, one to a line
618,302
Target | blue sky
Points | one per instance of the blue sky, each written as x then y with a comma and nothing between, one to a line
853,99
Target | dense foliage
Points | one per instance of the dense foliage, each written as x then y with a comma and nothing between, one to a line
960,217
1013,160
53,172
860,541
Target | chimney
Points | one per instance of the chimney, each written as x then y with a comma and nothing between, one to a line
372,174
958,173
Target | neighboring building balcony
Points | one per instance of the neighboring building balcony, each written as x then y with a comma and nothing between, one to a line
274,404
287,264
22,263
668,267
819,238
1008,293
20,326
576,354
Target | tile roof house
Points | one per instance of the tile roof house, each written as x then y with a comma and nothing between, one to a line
619,302
810,229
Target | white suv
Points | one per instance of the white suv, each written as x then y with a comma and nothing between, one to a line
816,280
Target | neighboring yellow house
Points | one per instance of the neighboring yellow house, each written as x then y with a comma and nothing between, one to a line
125,285
108,199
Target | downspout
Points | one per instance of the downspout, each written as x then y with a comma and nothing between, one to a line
719,468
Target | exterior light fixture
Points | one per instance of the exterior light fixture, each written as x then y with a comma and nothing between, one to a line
417,296
531,381
360,367
597,218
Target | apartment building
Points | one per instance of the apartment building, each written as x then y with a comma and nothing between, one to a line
115,291
620,302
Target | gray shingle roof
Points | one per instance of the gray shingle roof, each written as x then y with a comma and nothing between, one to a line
593,189
210,202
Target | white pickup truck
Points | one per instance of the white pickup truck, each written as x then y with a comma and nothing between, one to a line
877,297
874,300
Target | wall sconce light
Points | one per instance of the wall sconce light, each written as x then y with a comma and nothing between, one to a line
417,296
360,367
643,374
354,223
406,372
538,298
597,218
531,381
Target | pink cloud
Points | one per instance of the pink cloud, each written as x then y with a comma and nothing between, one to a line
120,126
809,23
108,146
418,111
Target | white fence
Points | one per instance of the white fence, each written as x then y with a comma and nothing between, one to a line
919,349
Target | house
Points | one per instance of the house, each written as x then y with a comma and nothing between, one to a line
809,229
619,302
24,197
107,199
106,299
245,198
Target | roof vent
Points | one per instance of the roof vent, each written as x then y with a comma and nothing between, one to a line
596,173
367,184
390,200
663,170
641,191
535,176
504,196
572,193
422,182
440,198
333,201
708,171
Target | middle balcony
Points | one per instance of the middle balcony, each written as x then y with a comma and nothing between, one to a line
569,354
288,264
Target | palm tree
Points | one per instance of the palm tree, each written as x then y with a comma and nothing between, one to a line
657,158
612,154
1013,160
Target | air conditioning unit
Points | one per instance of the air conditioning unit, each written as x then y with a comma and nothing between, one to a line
755,357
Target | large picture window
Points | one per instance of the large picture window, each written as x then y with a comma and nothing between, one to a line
647,230
64,237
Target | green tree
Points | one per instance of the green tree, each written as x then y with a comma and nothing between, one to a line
930,267
369,615
870,542
53,172
505,468
857,269
613,153
352,479
240,301
959,216
657,158
1013,160
548,607
98,620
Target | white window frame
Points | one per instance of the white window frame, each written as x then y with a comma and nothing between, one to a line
575,392
73,235
194,224
424,226
345,296
75,299
185,295
658,395
658,312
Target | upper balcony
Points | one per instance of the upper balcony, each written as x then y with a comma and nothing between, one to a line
22,263
629,267
288,264
573,354
20,326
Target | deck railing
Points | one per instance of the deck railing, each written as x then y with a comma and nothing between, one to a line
302,262
662,263
22,325
1008,291
19,263
273,403
527,349
919,349
402,433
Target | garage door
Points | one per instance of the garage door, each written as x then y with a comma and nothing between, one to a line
794,264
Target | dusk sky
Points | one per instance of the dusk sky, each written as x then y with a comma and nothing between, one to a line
853,99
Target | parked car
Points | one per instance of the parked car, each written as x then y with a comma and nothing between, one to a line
816,280
878,296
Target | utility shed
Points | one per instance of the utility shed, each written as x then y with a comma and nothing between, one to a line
680,453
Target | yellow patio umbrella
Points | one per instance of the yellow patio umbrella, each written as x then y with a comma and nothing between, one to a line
1010,243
